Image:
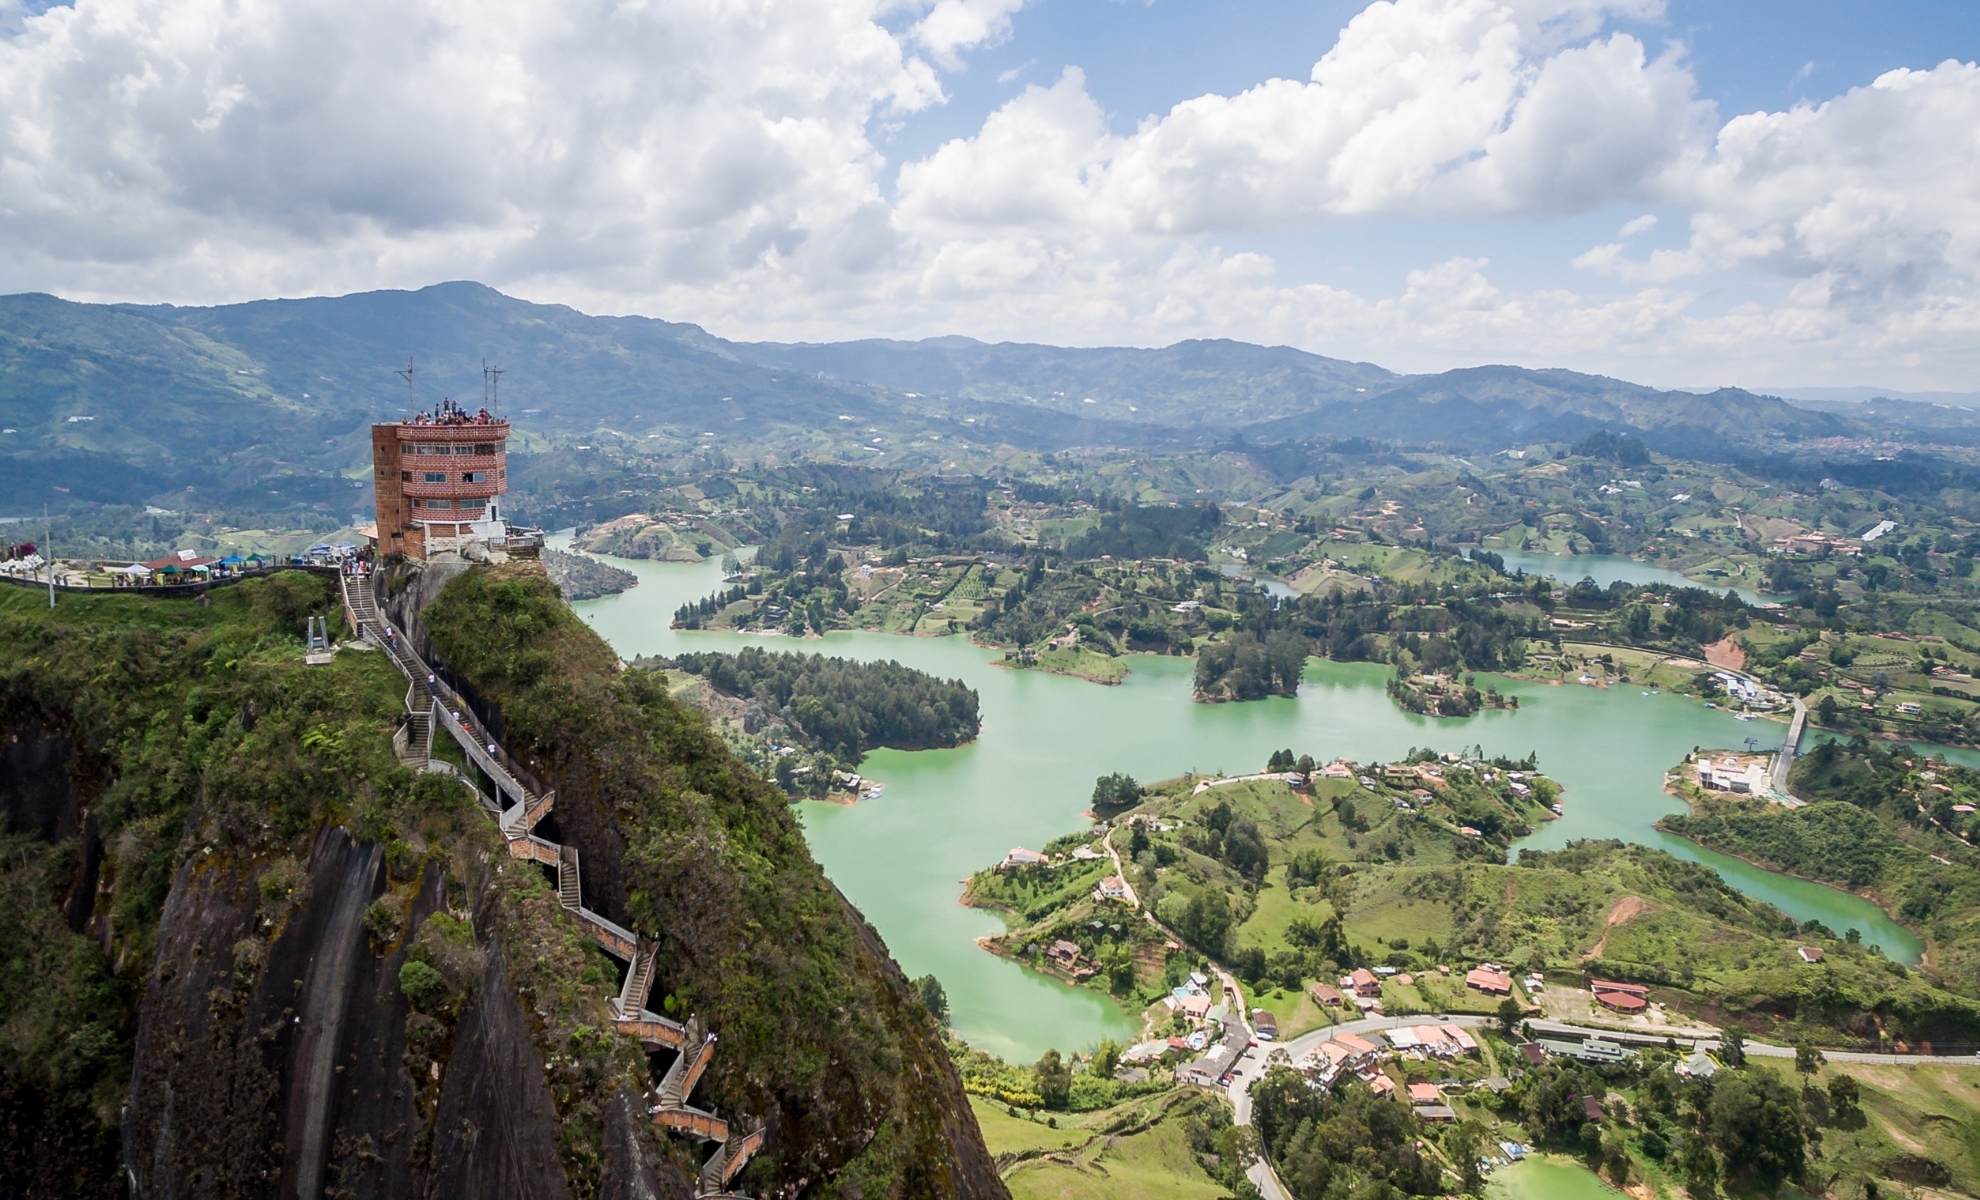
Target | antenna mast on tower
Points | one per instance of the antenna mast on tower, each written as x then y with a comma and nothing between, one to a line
407,375
494,390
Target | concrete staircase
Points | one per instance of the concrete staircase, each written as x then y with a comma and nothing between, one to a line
519,804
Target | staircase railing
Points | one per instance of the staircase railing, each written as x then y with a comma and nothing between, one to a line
430,705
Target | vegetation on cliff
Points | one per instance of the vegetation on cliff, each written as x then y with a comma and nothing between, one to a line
820,1032
198,818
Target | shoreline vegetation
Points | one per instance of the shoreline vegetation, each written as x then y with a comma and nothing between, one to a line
1885,823
1444,696
806,721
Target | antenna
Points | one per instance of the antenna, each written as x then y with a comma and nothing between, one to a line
495,391
407,375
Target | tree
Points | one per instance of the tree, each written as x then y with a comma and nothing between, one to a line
1206,921
1732,1049
1807,1059
933,998
1510,1013
1054,1080
1464,1144
1106,1058
1756,1125
1244,849
1844,1096
1699,1166
1115,792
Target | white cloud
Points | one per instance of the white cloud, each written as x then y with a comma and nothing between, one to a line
333,143
953,26
1422,107
710,161
1636,225
1872,198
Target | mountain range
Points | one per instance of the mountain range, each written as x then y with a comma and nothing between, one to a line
264,405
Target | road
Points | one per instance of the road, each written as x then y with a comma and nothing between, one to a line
1133,900
1785,759
1252,1067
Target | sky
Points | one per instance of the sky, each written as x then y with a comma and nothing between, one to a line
1768,194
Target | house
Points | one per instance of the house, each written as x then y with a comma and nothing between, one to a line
1594,1050
1266,1024
1910,708
1492,983
1113,887
1629,998
1383,1085
1533,1052
1020,857
1327,995
1810,954
1699,1066
1435,1114
1468,831
1362,982
1196,1006
1425,1093
1356,1045
1063,955
1591,1107
1337,770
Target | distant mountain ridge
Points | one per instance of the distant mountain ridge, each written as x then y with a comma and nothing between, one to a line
267,402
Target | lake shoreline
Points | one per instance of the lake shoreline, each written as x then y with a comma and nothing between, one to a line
1870,897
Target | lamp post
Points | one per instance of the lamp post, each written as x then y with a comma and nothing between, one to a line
48,550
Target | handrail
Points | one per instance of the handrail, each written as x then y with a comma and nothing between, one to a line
517,822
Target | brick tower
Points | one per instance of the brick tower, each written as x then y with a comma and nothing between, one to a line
437,480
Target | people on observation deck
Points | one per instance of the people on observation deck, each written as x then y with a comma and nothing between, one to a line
449,413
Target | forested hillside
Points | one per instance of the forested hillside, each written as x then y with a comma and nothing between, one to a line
847,707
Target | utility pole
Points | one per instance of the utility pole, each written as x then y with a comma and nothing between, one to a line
48,551
407,375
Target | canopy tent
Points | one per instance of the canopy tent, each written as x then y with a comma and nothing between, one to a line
232,560
135,569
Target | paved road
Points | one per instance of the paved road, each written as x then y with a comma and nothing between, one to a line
1785,759
1252,1067
1134,901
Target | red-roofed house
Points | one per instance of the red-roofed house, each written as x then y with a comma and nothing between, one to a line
1364,983
1383,1085
1425,1093
1604,985
1492,983
1327,995
1622,1002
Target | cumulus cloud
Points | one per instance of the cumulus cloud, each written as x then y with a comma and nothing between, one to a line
1423,107
711,161
687,138
953,26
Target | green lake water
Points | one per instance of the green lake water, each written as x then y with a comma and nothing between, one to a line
1606,569
1547,1178
946,813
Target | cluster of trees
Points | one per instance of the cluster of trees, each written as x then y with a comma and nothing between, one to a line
694,612
847,707
1345,1142
1130,531
1245,667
